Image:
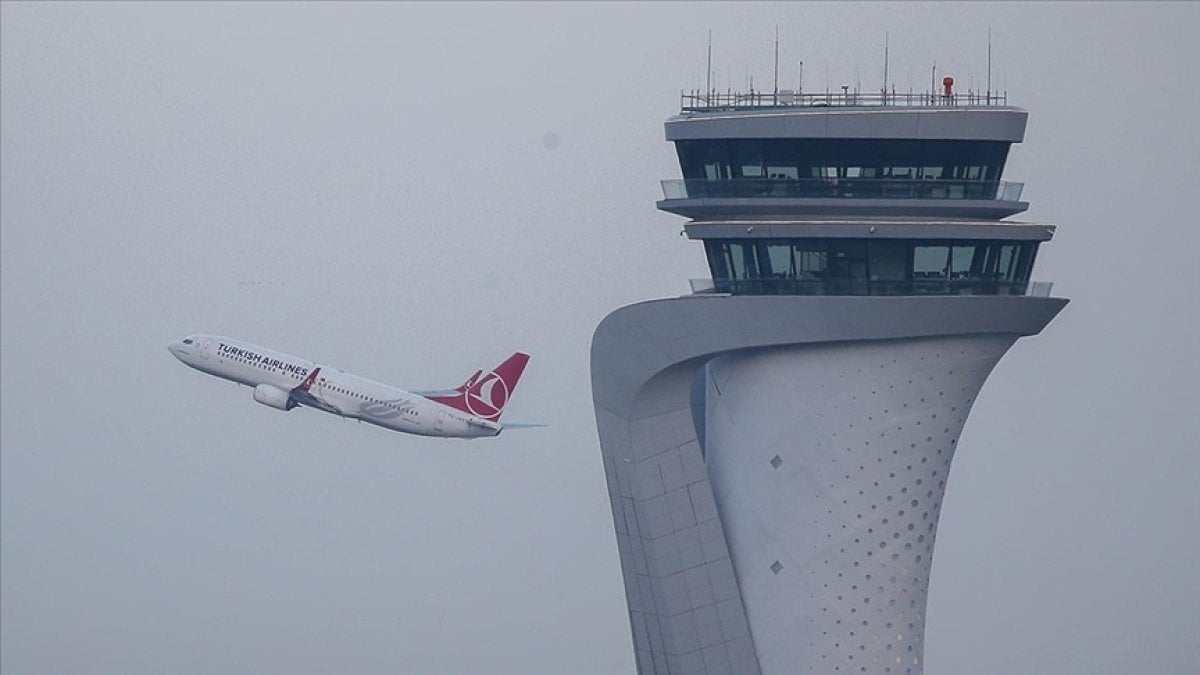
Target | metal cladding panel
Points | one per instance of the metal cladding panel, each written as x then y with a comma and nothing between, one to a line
645,358
829,464
664,508
905,123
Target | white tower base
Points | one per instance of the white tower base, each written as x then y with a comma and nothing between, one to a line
733,429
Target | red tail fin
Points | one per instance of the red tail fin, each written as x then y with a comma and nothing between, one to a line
485,394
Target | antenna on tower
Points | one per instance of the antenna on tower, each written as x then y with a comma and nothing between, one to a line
776,94
708,71
885,66
989,80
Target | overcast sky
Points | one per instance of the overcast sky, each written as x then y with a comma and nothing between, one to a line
413,191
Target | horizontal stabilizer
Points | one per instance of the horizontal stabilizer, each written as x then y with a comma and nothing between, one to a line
433,393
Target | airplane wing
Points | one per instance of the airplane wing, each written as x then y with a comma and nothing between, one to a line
305,398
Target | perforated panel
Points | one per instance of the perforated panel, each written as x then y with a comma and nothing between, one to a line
828,464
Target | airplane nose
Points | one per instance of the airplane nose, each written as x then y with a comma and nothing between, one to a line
175,348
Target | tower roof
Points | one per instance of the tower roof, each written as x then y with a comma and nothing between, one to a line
901,122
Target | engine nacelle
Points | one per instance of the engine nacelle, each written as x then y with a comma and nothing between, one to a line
274,397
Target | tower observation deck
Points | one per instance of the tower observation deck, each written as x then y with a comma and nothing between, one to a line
777,442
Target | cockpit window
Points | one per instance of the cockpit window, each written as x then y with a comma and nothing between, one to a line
187,341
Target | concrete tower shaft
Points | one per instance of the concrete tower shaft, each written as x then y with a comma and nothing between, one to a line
698,563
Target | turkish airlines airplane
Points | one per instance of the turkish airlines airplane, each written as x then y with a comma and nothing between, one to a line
284,382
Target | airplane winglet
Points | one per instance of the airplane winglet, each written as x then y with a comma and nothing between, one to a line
303,396
308,381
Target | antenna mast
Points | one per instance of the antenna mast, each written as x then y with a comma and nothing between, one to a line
776,94
885,66
989,80
708,72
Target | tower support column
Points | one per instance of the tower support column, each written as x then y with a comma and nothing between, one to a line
696,598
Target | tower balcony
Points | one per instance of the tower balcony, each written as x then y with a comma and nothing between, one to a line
785,286
757,197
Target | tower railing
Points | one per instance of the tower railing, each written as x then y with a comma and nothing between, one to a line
701,101
842,188
783,286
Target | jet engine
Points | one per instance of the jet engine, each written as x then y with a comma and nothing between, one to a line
274,397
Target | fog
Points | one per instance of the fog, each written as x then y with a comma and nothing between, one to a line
413,191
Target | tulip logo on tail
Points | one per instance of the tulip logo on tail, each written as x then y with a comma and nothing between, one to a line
486,398
485,394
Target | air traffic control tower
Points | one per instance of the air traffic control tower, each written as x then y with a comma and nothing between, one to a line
777,443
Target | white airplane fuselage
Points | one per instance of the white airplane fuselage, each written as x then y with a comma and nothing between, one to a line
277,379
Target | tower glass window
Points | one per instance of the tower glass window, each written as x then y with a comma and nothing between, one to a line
823,158
876,267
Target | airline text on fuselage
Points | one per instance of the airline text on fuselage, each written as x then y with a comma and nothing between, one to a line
253,357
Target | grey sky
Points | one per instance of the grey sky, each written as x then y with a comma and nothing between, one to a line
368,185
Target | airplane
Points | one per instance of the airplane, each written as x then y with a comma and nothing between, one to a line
284,382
